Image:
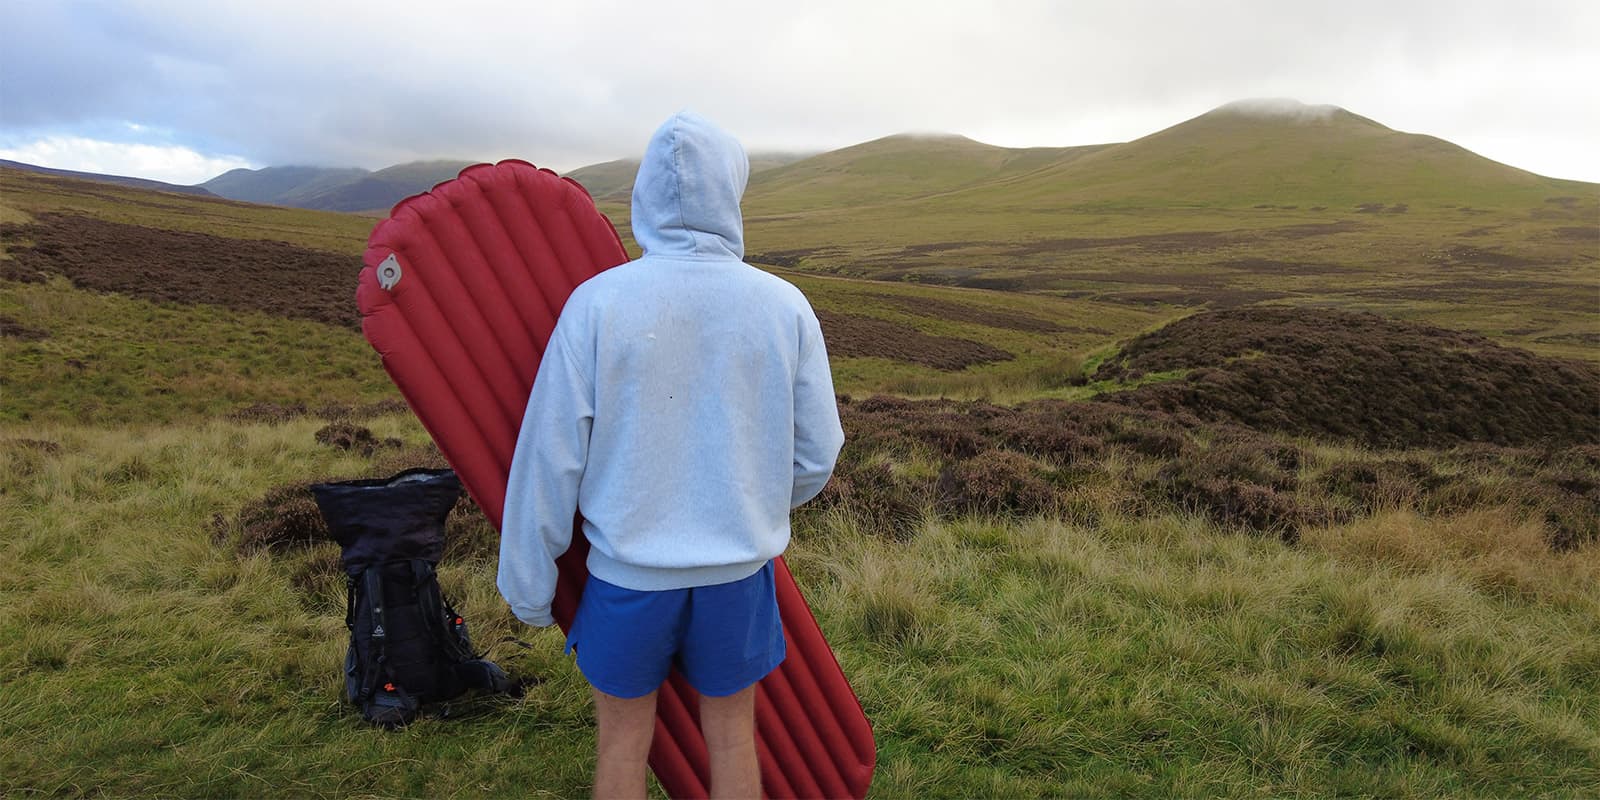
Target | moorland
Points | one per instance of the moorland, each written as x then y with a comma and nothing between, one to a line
1256,457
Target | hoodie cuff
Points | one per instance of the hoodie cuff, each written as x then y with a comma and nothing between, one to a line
537,617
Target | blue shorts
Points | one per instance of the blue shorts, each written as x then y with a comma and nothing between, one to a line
723,638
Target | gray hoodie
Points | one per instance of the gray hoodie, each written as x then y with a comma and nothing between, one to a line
683,405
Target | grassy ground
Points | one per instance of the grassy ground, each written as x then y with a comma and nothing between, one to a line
113,359
25,194
1114,646
1153,657
116,359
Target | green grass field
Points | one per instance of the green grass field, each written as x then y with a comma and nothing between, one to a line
1117,643
1149,657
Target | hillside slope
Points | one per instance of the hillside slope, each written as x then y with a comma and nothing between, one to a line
1261,201
896,167
334,189
281,186
613,180
69,246
1282,152
120,180
382,189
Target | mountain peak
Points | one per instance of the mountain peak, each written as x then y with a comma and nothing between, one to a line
1288,111
1280,108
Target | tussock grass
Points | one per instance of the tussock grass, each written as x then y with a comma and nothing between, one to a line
114,359
1157,657
1151,656
1498,551
143,656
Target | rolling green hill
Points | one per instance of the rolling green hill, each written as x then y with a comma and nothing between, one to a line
896,167
1244,154
120,180
1265,201
612,181
281,186
380,190
334,189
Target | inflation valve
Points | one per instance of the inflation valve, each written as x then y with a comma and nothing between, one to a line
389,272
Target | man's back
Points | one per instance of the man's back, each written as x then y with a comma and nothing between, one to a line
684,403
692,455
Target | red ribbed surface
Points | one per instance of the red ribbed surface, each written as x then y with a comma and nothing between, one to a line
487,261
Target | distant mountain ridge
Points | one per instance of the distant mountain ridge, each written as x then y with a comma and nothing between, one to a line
1261,153
281,186
1279,152
613,180
902,166
332,188
120,180
359,190
1239,155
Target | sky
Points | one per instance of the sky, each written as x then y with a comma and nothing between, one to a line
183,90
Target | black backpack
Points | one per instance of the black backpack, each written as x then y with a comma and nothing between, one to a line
408,647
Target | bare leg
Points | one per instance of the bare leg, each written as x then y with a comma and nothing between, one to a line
729,725
624,729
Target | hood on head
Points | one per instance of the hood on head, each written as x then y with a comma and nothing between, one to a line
686,197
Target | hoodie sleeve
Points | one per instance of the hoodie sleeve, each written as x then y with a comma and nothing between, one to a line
817,433
542,490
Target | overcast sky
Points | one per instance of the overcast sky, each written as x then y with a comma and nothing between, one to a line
182,91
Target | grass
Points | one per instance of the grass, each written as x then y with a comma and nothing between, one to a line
1046,359
24,194
113,359
1423,638
1157,658
1149,657
145,657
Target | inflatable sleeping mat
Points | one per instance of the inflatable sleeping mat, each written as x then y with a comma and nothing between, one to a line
459,294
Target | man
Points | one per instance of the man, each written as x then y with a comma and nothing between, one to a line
683,406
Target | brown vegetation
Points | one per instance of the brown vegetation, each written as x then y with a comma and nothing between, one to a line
1360,377
345,436
286,517
789,258
332,412
1042,457
990,317
905,460
1506,430
856,336
184,267
13,329
1175,242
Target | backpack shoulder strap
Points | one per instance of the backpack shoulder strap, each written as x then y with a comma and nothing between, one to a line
372,585
437,615
350,600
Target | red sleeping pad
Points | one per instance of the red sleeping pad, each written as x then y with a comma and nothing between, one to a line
461,289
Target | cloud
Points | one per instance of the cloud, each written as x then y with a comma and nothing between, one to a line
338,82
170,163
1280,107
